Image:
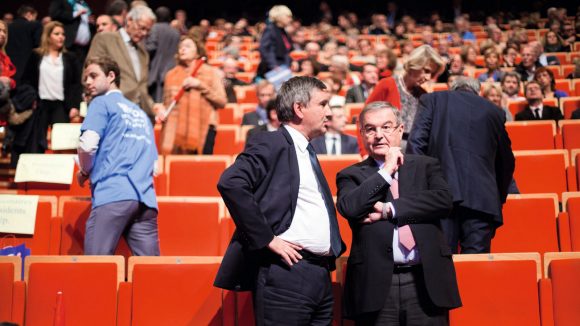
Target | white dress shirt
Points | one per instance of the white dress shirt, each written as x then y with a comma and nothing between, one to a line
133,53
51,78
541,107
329,139
401,255
310,226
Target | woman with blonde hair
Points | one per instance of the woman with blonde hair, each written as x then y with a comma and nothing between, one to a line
422,65
190,128
7,69
56,77
494,93
275,44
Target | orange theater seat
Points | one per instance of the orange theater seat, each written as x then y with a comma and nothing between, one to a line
576,86
47,230
570,130
353,110
529,224
345,232
564,85
571,207
246,94
191,226
560,291
516,106
543,171
88,285
570,104
194,175
229,114
332,164
227,141
75,212
498,289
530,135
556,71
11,289
175,291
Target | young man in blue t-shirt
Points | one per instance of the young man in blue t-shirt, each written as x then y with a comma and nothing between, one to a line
117,153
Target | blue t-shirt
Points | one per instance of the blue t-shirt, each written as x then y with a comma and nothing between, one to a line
124,162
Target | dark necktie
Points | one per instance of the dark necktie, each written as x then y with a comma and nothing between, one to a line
333,148
335,242
537,113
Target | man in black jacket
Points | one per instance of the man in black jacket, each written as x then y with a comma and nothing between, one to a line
536,110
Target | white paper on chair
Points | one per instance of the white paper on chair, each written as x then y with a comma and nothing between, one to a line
48,168
18,213
65,136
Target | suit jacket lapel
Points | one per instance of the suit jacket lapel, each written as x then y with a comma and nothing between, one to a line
142,54
294,171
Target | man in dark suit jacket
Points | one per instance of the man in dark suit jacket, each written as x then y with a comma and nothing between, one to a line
265,92
334,142
359,93
467,134
24,34
536,110
272,125
382,197
287,236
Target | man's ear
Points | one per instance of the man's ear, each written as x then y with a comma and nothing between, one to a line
297,107
111,77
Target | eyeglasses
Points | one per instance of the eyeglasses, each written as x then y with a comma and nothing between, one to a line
385,130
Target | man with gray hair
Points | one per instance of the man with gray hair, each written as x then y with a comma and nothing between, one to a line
467,134
125,47
287,236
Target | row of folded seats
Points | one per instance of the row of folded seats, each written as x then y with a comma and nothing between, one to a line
496,289
537,171
200,226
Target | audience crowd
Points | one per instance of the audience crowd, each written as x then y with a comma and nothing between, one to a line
387,56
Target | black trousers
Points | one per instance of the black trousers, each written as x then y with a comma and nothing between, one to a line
408,304
468,231
296,295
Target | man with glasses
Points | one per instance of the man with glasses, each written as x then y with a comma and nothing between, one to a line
125,47
467,134
400,270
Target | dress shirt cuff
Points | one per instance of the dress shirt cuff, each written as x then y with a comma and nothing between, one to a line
388,178
393,216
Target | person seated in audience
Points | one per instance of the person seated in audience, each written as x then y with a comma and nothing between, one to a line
379,25
529,63
334,141
386,62
493,73
469,56
365,50
576,72
536,110
455,66
359,93
272,125
298,40
105,23
553,42
308,67
340,69
543,59
230,68
545,78
329,50
568,33
510,86
462,28
510,53
266,92
493,93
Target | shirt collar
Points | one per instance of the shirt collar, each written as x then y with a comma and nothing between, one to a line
114,91
125,36
298,138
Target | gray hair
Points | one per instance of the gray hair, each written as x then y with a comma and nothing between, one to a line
466,84
295,90
379,105
141,12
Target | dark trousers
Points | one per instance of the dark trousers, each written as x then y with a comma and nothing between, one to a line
468,231
296,295
130,218
408,303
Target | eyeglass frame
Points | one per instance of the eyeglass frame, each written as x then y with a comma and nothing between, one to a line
385,130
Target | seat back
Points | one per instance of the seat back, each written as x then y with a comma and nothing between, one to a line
194,175
531,135
529,224
563,269
10,269
46,235
571,205
570,130
75,212
227,141
570,104
498,289
542,171
88,285
332,164
191,226
175,291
